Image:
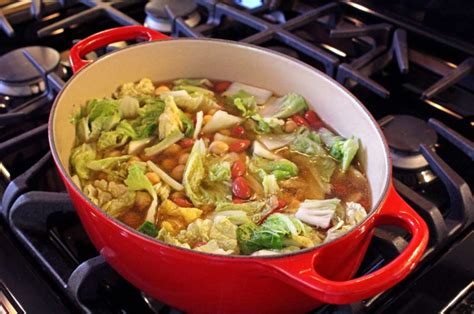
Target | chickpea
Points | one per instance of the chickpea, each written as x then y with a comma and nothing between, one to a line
144,157
177,194
183,158
177,172
206,118
161,89
113,153
168,164
218,147
290,126
142,200
172,150
225,132
132,219
153,177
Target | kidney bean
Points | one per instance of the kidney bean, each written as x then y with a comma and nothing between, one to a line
240,188
187,142
239,146
314,121
182,202
238,169
222,86
300,120
238,131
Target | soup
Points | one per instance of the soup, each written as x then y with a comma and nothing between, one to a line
218,167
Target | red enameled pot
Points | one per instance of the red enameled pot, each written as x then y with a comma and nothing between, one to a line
206,283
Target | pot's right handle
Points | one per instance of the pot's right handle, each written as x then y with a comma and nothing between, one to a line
107,37
300,271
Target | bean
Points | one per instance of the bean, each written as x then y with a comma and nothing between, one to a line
299,120
132,219
142,200
177,194
239,146
168,164
183,158
218,147
153,177
177,172
240,188
238,169
206,118
182,202
290,126
222,86
238,131
187,142
314,121
162,88
173,150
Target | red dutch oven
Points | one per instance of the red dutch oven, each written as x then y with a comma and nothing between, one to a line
207,283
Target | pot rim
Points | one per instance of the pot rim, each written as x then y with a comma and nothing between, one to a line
65,174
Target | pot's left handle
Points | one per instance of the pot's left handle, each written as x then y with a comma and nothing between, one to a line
107,37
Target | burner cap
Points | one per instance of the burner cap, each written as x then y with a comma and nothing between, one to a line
157,8
406,133
17,69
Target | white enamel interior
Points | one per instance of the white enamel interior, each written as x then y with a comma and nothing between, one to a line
215,59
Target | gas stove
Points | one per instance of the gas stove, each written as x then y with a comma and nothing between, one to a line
410,63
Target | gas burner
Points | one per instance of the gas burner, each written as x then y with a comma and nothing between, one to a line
19,77
158,11
404,135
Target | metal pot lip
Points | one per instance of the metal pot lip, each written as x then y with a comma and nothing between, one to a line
375,208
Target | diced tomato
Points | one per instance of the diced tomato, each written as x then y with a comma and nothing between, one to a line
238,131
239,146
238,169
279,207
314,121
182,202
187,142
300,120
241,188
222,86
236,200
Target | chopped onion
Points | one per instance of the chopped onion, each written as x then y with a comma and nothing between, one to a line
173,93
260,150
226,139
261,95
164,176
198,127
221,120
276,141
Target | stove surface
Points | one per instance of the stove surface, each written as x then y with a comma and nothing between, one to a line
409,62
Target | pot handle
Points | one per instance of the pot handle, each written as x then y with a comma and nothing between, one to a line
301,273
109,36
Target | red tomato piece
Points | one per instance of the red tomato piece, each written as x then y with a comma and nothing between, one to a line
300,120
238,169
187,142
238,131
239,146
314,121
240,188
182,202
222,86
198,244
